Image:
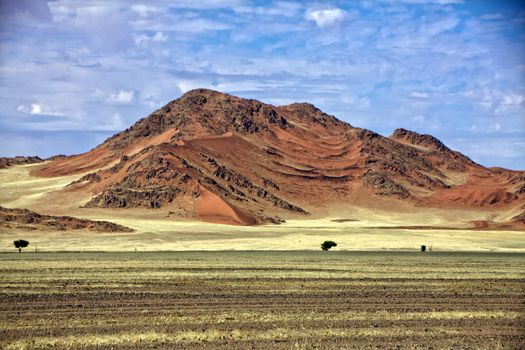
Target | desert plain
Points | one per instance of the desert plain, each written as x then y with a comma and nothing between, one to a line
183,284
262,300
154,230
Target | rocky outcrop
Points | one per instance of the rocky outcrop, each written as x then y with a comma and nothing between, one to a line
242,185
29,220
90,178
6,161
200,112
384,185
424,140
400,162
150,197
452,160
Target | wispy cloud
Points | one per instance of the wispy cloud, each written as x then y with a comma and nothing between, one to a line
123,96
38,109
426,2
418,94
326,17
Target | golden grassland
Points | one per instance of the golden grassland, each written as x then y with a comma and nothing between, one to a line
354,229
262,299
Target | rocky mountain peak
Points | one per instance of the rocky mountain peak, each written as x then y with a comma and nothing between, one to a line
416,139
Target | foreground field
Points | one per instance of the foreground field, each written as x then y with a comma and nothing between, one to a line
262,300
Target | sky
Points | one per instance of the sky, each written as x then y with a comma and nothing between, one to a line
73,73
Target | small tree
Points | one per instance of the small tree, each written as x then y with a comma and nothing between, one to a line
327,245
21,243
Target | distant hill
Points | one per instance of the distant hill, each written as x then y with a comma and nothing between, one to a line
29,220
9,161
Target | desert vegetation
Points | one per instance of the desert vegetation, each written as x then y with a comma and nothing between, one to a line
262,300
20,243
327,245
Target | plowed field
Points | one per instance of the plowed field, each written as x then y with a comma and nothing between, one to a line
262,300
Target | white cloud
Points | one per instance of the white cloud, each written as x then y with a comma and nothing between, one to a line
38,109
325,18
145,10
494,127
115,122
141,39
187,85
179,24
159,37
441,26
35,109
487,100
512,99
418,94
491,16
510,103
286,9
422,2
123,96
206,4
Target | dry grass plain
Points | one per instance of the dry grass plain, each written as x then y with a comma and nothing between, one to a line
353,228
262,300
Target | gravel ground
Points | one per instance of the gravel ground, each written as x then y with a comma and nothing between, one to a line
262,300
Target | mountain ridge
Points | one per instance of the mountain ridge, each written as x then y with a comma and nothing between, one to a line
261,163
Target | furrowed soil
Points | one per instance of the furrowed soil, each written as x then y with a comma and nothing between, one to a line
262,300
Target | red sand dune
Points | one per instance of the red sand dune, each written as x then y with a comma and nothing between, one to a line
212,208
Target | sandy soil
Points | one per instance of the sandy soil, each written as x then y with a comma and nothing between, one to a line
262,300
353,229
212,208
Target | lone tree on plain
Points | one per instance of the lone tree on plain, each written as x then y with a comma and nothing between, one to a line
327,245
21,243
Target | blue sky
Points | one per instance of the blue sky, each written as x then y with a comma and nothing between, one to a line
75,72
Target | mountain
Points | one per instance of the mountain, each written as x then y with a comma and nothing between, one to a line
221,158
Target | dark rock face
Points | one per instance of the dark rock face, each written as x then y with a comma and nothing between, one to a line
425,140
6,161
26,219
241,184
519,181
451,159
91,177
384,185
203,110
117,197
311,114
149,183
398,161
